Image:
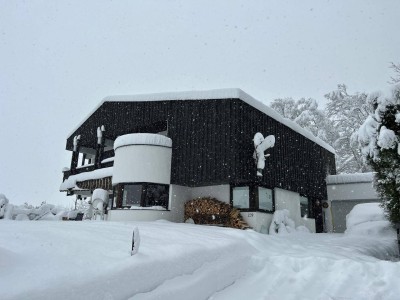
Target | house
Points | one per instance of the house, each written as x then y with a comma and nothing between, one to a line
154,152
344,192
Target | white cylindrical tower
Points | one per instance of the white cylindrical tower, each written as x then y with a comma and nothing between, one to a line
142,157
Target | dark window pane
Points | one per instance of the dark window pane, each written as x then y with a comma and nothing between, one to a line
132,195
156,195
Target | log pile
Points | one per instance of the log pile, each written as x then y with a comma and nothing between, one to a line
214,212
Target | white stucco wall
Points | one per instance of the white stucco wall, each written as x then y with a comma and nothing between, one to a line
259,221
288,200
139,215
291,201
142,163
178,196
220,192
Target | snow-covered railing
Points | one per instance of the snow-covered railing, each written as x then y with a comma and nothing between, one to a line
71,181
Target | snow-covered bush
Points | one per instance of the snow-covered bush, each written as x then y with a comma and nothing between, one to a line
26,211
368,219
379,139
283,224
3,205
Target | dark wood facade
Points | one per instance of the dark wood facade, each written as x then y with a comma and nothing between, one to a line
212,143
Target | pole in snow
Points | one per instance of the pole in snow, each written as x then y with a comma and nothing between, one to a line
135,241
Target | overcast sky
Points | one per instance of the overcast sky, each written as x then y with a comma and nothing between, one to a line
58,59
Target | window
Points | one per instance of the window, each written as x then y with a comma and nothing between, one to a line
141,195
241,197
252,198
265,201
304,206
155,195
131,195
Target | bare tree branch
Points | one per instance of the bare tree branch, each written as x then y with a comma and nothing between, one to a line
396,69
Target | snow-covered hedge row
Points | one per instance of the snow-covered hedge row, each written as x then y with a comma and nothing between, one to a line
28,212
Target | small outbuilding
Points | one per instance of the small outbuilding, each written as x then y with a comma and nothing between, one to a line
344,192
154,152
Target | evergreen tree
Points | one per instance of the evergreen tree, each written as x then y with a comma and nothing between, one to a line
379,138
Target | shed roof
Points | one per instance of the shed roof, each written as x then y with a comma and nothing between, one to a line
350,178
231,93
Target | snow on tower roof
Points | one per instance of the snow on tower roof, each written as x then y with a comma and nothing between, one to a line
142,139
231,93
350,178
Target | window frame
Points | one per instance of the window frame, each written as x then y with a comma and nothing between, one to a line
117,202
273,199
253,197
249,192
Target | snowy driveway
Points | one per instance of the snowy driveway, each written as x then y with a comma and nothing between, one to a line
91,260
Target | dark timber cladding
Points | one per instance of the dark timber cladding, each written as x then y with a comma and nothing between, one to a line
212,143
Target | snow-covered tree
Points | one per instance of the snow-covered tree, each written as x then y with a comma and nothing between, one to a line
306,113
396,69
347,112
379,138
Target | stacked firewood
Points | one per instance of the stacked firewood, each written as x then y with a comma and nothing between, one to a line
214,212
236,220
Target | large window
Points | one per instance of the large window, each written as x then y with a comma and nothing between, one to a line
141,195
241,197
304,208
265,201
252,198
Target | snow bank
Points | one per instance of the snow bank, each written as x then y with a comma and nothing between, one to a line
173,259
185,261
142,139
368,219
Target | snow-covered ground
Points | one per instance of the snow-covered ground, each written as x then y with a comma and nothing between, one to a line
91,260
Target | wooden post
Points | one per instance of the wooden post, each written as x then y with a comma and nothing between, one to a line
83,159
100,147
75,155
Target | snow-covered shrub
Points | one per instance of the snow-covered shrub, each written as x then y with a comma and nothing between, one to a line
21,217
3,205
72,214
283,224
28,212
368,219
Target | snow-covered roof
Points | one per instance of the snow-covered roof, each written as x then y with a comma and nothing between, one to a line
71,181
350,178
142,139
231,93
